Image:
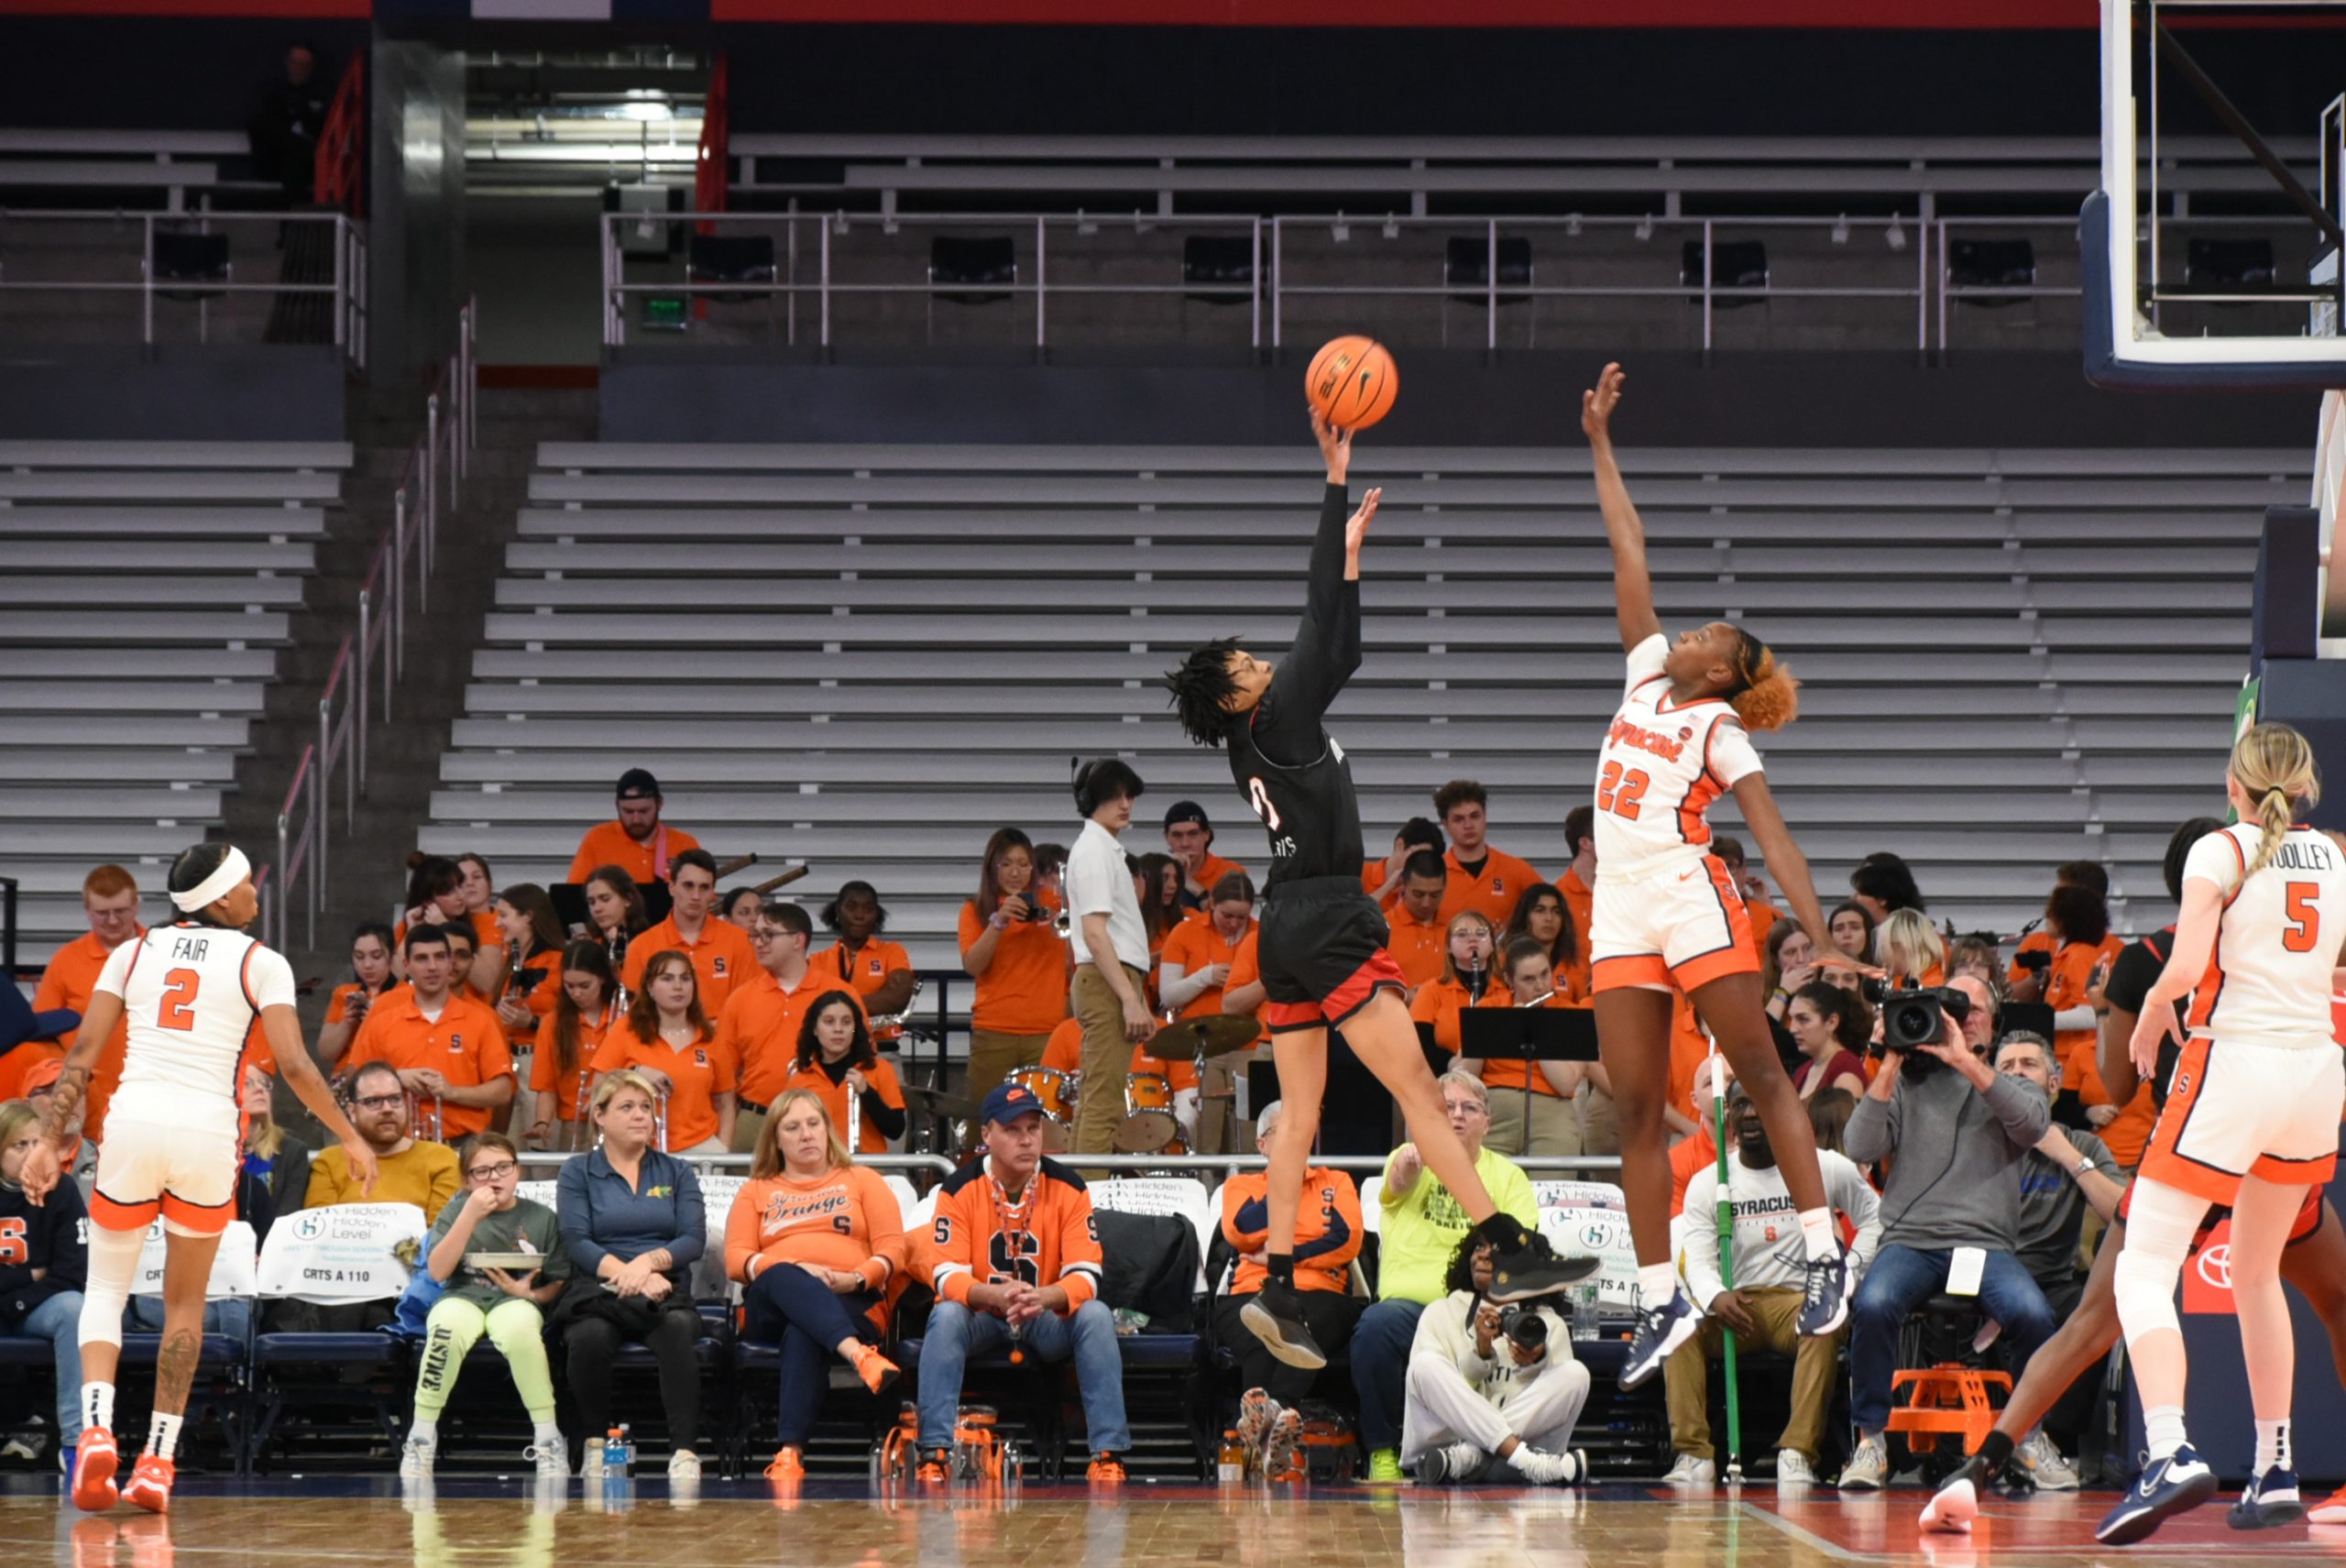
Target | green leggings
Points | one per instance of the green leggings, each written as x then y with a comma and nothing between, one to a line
516,1327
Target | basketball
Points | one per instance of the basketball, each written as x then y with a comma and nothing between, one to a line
1351,382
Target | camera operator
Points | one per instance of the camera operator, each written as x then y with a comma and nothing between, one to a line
1960,1131
1493,1391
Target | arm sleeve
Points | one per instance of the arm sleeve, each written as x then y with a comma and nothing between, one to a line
1326,649
883,1101
1847,1188
692,1222
575,1210
1872,1131
1702,1239
1089,891
2023,1111
1078,1252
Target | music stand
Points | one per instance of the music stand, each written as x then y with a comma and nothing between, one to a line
1527,1034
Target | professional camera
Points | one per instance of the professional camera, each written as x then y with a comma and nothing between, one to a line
1525,1326
1910,1016
2035,959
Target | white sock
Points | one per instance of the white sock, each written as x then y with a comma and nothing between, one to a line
2273,1446
1657,1283
97,1405
544,1434
1817,1232
163,1435
426,1432
2163,1430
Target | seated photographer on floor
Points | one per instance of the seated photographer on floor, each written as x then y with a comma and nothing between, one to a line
1960,1131
1763,1308
1494,1392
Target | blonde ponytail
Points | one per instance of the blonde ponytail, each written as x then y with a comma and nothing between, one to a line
2275,768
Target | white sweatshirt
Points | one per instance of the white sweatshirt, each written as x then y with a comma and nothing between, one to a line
1446,1328
1768,1246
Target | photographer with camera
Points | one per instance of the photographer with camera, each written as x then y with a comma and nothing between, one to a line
1960,1131
1493,1391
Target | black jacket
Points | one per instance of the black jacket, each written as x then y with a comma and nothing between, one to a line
51,1237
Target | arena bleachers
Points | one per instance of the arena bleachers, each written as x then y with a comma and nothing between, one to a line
146,590
868,657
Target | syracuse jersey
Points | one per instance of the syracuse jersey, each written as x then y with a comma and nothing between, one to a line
190,994
2269,978
1662,764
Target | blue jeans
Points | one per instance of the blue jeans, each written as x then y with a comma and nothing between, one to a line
1900,1279
1089,1335
58,1321
787,1304
1381,1369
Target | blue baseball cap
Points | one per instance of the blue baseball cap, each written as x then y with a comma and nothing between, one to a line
1009,1102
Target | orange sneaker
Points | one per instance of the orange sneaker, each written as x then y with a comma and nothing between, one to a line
789,1464
150,1483
95,1465
2331,1512
1106,1468
935,1467
876,1370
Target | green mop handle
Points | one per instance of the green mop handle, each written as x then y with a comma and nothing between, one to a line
1726,1271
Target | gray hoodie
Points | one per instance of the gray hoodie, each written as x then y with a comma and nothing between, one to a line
1956,1180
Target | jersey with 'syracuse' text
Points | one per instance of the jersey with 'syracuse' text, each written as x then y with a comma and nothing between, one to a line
1662,764
1292,773
190,994
2268,980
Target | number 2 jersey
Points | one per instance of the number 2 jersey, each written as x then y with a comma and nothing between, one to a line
190,994
2268,980
1662,764
979,1237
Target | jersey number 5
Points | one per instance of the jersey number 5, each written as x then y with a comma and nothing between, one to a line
178,1010
1619,792
2304,919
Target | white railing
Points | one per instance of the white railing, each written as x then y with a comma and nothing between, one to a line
811,264
431,480
345,290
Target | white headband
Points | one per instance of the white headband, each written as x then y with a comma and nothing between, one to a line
217,886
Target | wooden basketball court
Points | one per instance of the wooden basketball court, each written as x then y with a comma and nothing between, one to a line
486,1524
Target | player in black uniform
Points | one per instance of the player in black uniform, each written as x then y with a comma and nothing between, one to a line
1322,939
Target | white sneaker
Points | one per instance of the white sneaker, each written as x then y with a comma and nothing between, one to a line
591,1468
684,1465
554,1459
1792,1468
416,1457
1691,1471
2040,1459
1542,1468
1868,1467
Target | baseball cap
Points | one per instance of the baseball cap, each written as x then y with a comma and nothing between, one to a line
43,1075
1186,811
1007,1101
637,783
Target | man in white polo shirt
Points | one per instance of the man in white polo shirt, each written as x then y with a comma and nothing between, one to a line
1111,948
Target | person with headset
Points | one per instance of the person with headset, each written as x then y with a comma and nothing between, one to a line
1110,944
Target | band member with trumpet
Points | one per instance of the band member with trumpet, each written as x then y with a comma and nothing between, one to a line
720,952
1532,1102
1012,949
835,1061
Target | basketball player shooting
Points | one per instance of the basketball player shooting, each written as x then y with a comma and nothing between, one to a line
191,991
1322,939
1667,916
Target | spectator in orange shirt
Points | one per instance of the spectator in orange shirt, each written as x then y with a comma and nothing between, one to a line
1699,1150
1414,925
1481,877
638,843
1189,838
1064,1052
879,972
668,1038
2079,923
834,1060
1192,975
480,899
615,909
1851,925
561,1069
1542,915
720,954
1465,978
1009,947
741,905
435,896
526,984
761,1020
370,966
1578,885
1328,1228
110,904
449,1050
1156,885
2037,939
1532,1102
1381,880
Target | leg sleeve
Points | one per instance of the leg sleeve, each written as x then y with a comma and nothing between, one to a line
106,1293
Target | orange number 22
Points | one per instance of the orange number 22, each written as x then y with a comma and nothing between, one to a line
1620,793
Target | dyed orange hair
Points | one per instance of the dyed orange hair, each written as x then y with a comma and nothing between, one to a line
1771,696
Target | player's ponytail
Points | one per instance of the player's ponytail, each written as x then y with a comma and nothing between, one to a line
2274,767
1770,696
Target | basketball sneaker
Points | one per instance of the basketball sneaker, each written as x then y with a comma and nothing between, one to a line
1458,1463
1542,1468
1533,1269
935,1467
1275,1314
150,1483
1256,1411
95,1465
1283,1449
1956,1502
2331,1512
2166,1488
2268,1499
1825,1300
1661,1330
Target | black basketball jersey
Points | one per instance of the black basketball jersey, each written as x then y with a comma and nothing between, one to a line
1294,775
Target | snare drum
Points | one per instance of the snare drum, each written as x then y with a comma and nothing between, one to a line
1056,1090
1149,1125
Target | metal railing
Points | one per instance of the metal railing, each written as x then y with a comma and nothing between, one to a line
350,706
346,291
813,263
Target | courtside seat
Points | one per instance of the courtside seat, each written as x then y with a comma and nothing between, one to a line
351,1383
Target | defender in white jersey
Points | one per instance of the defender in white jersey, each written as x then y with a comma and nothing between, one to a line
1666,916
2251,1120
189,994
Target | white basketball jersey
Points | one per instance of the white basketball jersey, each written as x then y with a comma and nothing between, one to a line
1662,764
190,994
2268,982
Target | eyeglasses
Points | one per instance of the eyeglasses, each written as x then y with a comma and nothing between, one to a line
1466,1108
491,1172
380,1101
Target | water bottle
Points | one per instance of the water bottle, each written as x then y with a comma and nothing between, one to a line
619,1455
1231,1469
1584,1299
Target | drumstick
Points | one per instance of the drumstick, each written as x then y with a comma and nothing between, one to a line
740,865
784,879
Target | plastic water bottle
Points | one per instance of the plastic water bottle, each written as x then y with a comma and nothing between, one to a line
619,1455
1231,1469
1584,1299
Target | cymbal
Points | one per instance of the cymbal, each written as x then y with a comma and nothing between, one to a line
937,1102
1212,1034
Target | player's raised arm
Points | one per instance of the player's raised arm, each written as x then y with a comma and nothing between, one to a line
1632,587
1327,642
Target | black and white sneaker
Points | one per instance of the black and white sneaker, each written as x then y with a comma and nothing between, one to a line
1533,1270
1455,1463
1275,1315
2269,1499
1661,1330
1825,1303
2166,1488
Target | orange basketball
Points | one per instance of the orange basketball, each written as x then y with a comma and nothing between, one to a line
1351,382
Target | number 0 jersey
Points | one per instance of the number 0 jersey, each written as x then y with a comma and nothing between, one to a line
2268,980
1662,764
190,994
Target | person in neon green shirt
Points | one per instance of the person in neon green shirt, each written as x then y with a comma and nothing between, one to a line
1419,1227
